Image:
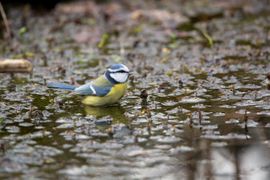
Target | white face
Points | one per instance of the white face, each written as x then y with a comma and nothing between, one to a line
120,77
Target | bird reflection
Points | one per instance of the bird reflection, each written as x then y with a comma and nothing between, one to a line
117,113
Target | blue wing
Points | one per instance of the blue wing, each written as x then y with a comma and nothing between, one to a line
89,89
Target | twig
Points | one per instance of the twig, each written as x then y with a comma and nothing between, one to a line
3,14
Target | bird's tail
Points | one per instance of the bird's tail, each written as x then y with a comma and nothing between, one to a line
63,86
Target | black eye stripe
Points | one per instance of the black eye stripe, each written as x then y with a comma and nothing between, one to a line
121,71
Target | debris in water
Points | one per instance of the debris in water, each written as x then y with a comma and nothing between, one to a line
15,66
144,94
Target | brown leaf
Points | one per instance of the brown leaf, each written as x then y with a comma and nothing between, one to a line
166,18
81,7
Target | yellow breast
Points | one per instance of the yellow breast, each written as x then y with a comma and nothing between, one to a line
116,93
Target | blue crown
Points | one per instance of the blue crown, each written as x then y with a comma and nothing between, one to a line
118,67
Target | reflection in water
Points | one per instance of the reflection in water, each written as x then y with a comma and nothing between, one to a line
223,163
255,163
117,113
236,162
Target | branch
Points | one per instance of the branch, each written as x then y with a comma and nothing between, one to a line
3,14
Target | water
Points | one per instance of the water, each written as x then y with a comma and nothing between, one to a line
206,114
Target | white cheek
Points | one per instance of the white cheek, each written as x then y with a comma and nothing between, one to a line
120,77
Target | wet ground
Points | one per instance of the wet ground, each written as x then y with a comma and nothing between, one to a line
197,107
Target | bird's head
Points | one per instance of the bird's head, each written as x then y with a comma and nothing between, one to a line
117,73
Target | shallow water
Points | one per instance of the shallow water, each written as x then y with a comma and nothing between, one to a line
207,111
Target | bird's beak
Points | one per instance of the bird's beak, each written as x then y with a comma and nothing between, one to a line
130,73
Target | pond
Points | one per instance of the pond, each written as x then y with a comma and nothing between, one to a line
197,105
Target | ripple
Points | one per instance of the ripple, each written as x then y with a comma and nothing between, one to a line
191,100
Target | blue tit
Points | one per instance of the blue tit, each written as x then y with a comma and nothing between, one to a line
105,90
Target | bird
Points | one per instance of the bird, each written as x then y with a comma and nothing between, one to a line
105,90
